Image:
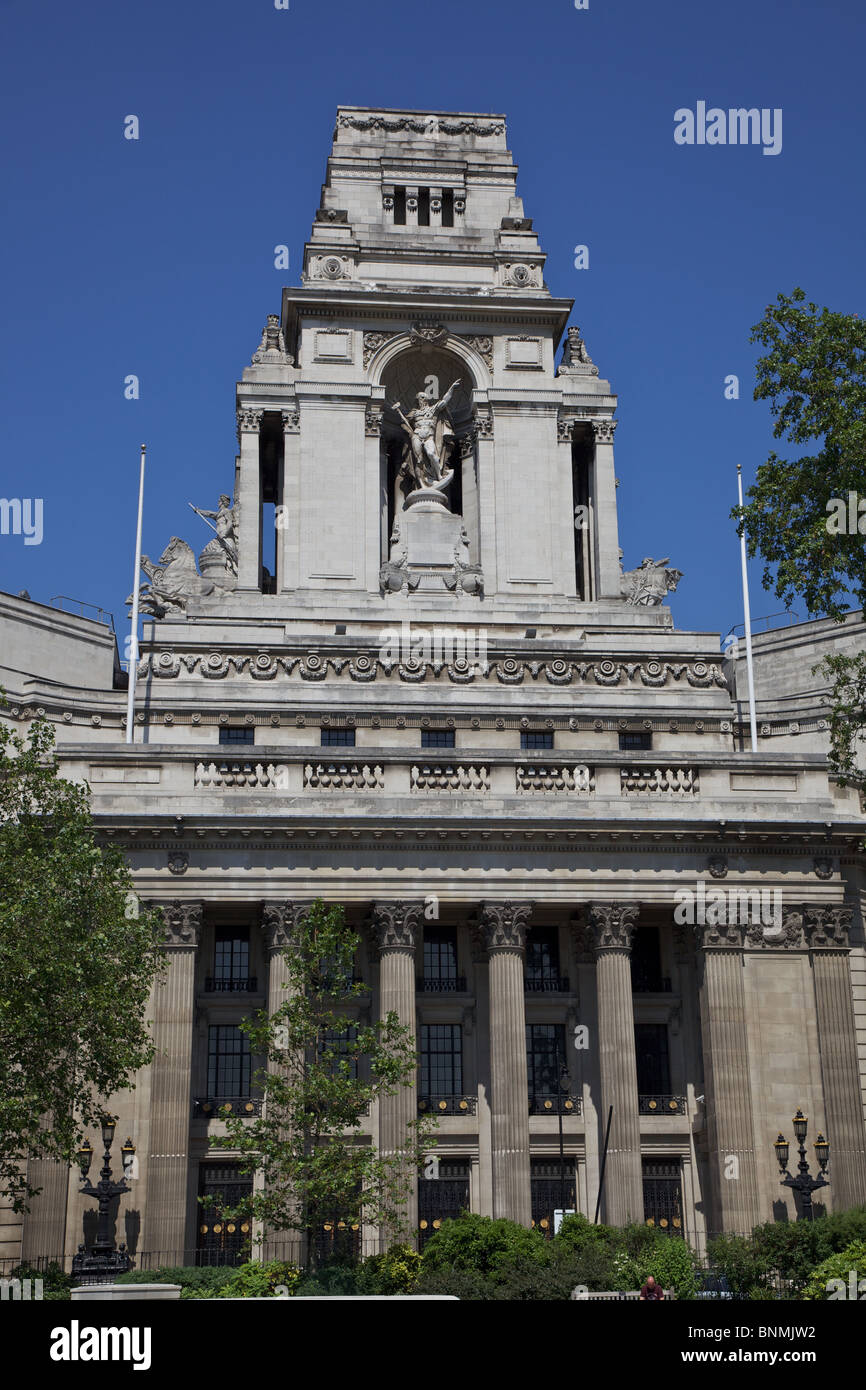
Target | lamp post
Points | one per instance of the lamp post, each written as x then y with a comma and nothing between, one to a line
104,1260
803,1183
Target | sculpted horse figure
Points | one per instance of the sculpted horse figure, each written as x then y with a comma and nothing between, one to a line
173,580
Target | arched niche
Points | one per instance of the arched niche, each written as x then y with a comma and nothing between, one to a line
404,371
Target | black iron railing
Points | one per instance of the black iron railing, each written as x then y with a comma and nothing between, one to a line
448,1105
249,985
455,985
555,1105
549,984
217,1107
662,1105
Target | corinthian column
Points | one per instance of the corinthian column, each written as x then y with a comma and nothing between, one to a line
827,930
278,922
611,927
395,927
168,1161
732,1163
503,929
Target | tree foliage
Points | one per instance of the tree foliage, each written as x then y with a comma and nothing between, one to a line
78,958
323,1069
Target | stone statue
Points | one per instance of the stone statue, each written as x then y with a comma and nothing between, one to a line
226,543
650,583
272,348
576,360
173,580
428,430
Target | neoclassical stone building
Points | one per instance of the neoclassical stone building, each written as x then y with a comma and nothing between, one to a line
410,676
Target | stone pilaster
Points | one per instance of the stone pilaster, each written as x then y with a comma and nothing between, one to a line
503,930
168,1160
278,923
727,1079
610,930
44,1231
395,928
827,932
607,561
248,497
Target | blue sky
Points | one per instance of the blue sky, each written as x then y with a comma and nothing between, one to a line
155,257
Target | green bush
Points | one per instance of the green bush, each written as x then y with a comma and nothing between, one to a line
261,1279
55,1284
737,1257
196,1281
329,1280
495,1249
395,1271
837,1266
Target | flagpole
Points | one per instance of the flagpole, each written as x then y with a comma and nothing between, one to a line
748,622
133,648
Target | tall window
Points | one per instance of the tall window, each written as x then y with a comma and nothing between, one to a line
542,959
440,958
228,1061
340,1045
653,1064
646,962
221,1242
663,1195
231,958
545,1054
441,1059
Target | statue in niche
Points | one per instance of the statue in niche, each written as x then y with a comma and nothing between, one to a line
428,429
223,522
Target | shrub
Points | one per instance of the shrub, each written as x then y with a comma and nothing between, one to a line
55,1284
492,1248
393,1272
739,1260
792,1249
261,1279
196,1281
837,1266
329,1280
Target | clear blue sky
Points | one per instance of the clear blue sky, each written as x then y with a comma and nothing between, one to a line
156,257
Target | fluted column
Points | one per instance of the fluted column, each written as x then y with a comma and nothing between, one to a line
44,1228
607,558
168,1160
610,928
727,1081
827,932
395,927
278,923
503,929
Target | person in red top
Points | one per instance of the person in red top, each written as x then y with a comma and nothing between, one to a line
651,1291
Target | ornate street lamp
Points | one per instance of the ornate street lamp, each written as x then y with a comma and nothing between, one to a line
103,1261
803,1183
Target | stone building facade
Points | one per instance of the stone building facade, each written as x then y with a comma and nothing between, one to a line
409,675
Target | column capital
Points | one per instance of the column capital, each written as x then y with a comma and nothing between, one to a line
182,925
828,928
611,926
604,430
291,420
394,925
502,926
279,920
720,936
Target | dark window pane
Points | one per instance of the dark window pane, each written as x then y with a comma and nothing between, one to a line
219,1242
646,961
529,739
235,734
231,953
448,207
338,738
342,1045
542,955
423,207
653,1066
400,206
229,1061
441,1059
440,953
635,741
545,1056
437,738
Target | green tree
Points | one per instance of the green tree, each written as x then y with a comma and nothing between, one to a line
813,373
78,958
322,1069
839,1267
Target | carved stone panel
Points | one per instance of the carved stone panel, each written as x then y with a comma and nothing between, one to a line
828,928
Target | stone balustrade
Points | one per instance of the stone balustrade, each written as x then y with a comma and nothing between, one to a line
449,777
667,781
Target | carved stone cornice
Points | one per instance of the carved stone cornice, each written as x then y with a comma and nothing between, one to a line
828,928
394,926
279,920
611,926
182,925
502,926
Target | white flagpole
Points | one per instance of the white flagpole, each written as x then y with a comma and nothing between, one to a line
748,623
133,645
